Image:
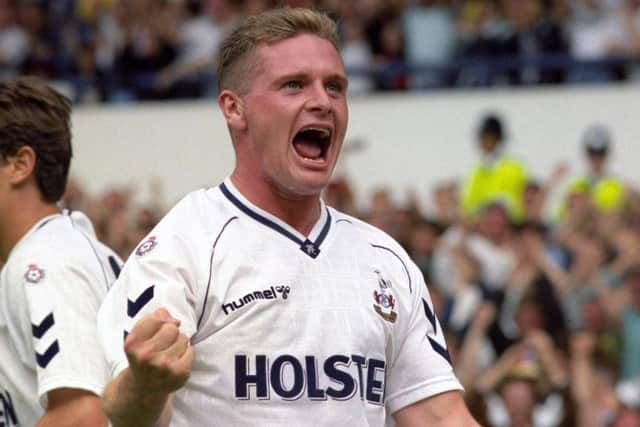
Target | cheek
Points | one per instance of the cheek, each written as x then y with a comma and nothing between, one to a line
343,114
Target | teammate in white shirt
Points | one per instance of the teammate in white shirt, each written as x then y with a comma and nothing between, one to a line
254,304
55,272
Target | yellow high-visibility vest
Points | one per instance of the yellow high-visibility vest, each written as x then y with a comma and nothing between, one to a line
503,181
607,193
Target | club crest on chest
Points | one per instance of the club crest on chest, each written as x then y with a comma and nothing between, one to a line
385,302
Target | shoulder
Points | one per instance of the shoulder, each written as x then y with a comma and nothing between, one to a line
190,226
198,213
359,230
54,242
509,162
61,248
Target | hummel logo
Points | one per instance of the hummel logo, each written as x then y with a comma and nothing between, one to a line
271,293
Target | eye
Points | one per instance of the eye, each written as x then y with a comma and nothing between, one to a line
335,87
292,84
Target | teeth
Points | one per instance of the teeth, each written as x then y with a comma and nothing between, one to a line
325,132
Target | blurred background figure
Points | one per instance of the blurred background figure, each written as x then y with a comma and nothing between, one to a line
600,187
497,177
14,43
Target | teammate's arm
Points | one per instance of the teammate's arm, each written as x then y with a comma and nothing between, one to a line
160,360
442,410
72,407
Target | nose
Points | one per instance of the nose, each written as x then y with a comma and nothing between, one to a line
319,100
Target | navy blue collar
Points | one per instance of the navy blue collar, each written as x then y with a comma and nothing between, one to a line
310,248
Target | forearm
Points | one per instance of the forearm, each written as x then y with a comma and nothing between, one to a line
559,278
491,377
581,379
73,408
555,369
466,366
443,410
128,405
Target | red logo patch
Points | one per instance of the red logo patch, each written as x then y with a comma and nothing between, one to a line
147,246
34,274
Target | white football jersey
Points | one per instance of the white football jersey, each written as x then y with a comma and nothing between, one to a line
333,329
50,290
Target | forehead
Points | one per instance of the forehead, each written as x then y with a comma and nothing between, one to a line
301,54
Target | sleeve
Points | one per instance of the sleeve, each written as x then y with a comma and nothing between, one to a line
62,301
160,273
421,366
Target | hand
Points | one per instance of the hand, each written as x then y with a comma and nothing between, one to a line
539,340
160,357
559,172
485,315
582,344
534,245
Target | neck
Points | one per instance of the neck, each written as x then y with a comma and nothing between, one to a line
300,212
22,212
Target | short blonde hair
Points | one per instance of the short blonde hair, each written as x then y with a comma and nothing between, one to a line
267,27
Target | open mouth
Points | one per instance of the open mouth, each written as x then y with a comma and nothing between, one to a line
311,143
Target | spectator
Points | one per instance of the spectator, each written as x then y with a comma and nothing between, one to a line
150,44
483,34
592,28
41,59
430,41
497,176
390,61
524,387
534,33
14,45
357,57
604,191
191,73
423,243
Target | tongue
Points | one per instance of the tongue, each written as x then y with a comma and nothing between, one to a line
307,149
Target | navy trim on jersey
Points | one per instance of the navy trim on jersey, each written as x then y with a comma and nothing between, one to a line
213,251
406,270
45,222
310,248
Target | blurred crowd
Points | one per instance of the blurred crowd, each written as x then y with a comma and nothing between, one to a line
540,304
123,50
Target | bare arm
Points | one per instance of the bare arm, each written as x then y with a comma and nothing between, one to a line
442,410
466,365
492,376
118,402
560,280
551,359
69,407
582,378
160,360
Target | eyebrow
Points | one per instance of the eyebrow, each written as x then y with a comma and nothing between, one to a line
341,78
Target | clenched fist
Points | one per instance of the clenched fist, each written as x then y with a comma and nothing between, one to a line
160,357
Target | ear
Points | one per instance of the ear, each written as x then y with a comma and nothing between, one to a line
22,165
232,108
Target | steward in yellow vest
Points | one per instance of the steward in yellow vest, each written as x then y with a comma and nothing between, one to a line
496,176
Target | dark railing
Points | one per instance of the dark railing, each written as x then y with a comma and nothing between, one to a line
467,72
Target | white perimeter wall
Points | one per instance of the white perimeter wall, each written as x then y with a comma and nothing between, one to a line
404,141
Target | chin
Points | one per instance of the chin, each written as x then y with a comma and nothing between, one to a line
309,187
